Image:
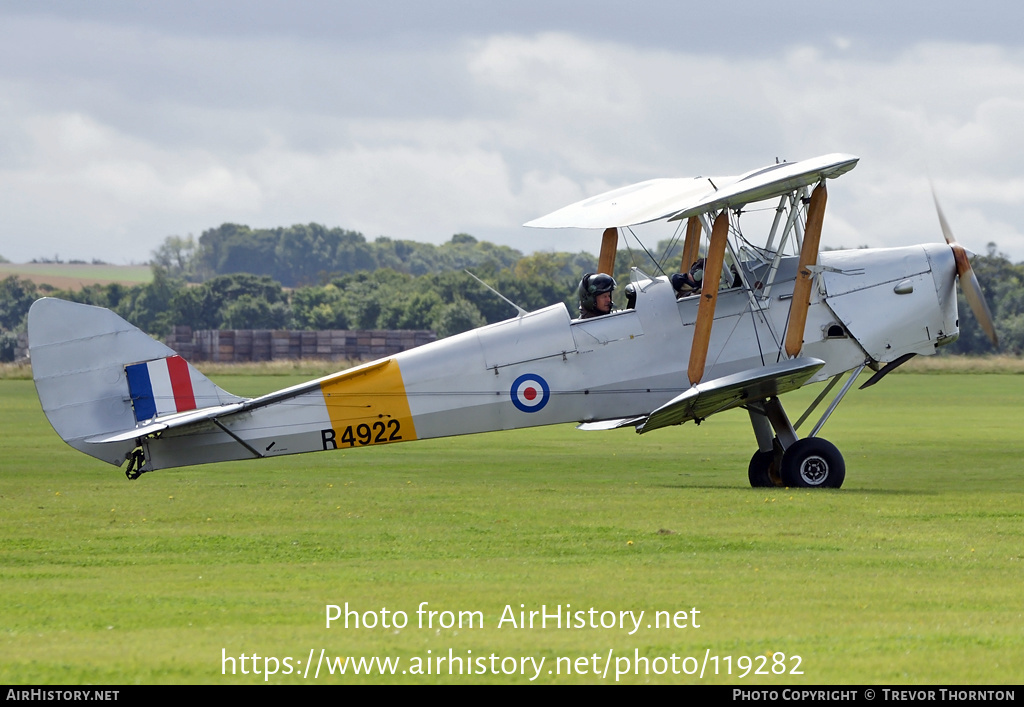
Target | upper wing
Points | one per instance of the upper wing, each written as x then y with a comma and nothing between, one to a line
681,198
631,205
770,182
706,399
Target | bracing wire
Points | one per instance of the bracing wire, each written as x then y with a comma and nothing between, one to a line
640,243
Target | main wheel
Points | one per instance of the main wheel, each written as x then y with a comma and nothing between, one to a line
763,470
813,463
759,470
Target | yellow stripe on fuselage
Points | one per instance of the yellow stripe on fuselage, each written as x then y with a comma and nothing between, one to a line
368,406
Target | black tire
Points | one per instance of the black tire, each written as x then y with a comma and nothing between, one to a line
813,463
759,471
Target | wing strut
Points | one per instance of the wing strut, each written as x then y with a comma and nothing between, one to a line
609,242
821,396
838,399
708,298
691,246
805,278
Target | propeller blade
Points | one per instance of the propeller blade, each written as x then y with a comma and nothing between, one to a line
975,297
947,232
968,280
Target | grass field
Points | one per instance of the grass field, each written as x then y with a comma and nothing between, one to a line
911,573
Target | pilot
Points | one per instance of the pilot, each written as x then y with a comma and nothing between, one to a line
596,295
631,296
689,283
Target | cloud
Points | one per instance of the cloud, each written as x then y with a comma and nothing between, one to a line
117,135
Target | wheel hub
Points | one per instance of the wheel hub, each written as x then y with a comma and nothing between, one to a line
814,470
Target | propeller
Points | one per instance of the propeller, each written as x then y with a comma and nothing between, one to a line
968,280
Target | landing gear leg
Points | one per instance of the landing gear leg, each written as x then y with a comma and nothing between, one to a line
763,470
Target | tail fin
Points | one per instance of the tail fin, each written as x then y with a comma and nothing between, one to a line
97,374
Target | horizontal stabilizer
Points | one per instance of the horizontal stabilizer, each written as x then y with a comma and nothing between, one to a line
159,424
610,424
732,391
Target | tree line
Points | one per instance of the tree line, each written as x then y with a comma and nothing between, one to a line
184,291
346,282
310,254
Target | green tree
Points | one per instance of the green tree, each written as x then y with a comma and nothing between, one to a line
318,308
8,345
148,306
16,296
303,252
205,306
176,255
456,317
365,296
251,312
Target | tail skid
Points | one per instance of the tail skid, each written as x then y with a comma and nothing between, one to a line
98,376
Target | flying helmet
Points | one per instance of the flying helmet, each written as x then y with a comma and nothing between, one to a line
592,285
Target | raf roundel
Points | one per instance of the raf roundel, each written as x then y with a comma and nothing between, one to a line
530,392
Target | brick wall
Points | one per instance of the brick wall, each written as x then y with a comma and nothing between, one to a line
265,345
225,345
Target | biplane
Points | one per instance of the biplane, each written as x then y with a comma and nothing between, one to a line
766,320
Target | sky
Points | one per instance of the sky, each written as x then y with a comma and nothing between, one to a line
122,123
